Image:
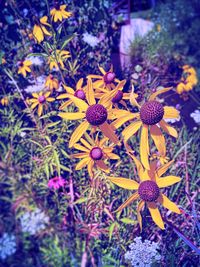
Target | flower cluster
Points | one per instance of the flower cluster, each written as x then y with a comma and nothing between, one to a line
33,222
188,81
99,112
143,254
7,245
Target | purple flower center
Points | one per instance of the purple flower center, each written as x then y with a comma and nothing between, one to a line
96,153
151,112
41,99
148,191
96,114
118,97
80,94
109,77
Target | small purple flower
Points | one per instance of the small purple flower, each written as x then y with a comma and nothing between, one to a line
56,182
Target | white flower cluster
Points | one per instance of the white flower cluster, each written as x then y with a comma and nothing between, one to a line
142,254
196,116
37,61
7,245
37,85
34,221
90,39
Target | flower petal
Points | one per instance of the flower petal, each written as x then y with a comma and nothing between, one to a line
158,139
82,105
129,131
168,129
71,115
164,168
90,168
102,165
82,163
170,113
119,122
153,96
155,214
138,164
108,132
80,130
79,84
144,147
139,217
40,109
90,93
167,181
82,148
124,182
128,201
167,203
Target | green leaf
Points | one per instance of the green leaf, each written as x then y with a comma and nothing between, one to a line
81,200
128,221
111,229
64,168
57,161
36,143
46,168
37,55
66,40
52,124
65,154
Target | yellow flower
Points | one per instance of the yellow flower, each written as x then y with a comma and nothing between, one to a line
24,67
79,92
93,154
52,83
151,117
180,88
40,100
158,26
188,81
4,101
94,115
115,96
39,29
3,61
59,13
105,81
58,57
148,190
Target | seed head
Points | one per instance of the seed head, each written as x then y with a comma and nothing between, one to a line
148,191
96,153
96,114
151,112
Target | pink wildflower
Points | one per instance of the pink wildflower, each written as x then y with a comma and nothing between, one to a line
56,182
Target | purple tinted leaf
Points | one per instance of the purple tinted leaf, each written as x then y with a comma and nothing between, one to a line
187,241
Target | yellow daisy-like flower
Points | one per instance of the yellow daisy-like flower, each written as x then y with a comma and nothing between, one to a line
40,100
79,92
39,29
188,81
106,81
4,101
94,114
116,95
151,117
58,57
51,82
148,190
59,13
93,154
24,67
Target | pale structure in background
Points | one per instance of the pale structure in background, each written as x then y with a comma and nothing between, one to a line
137,28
